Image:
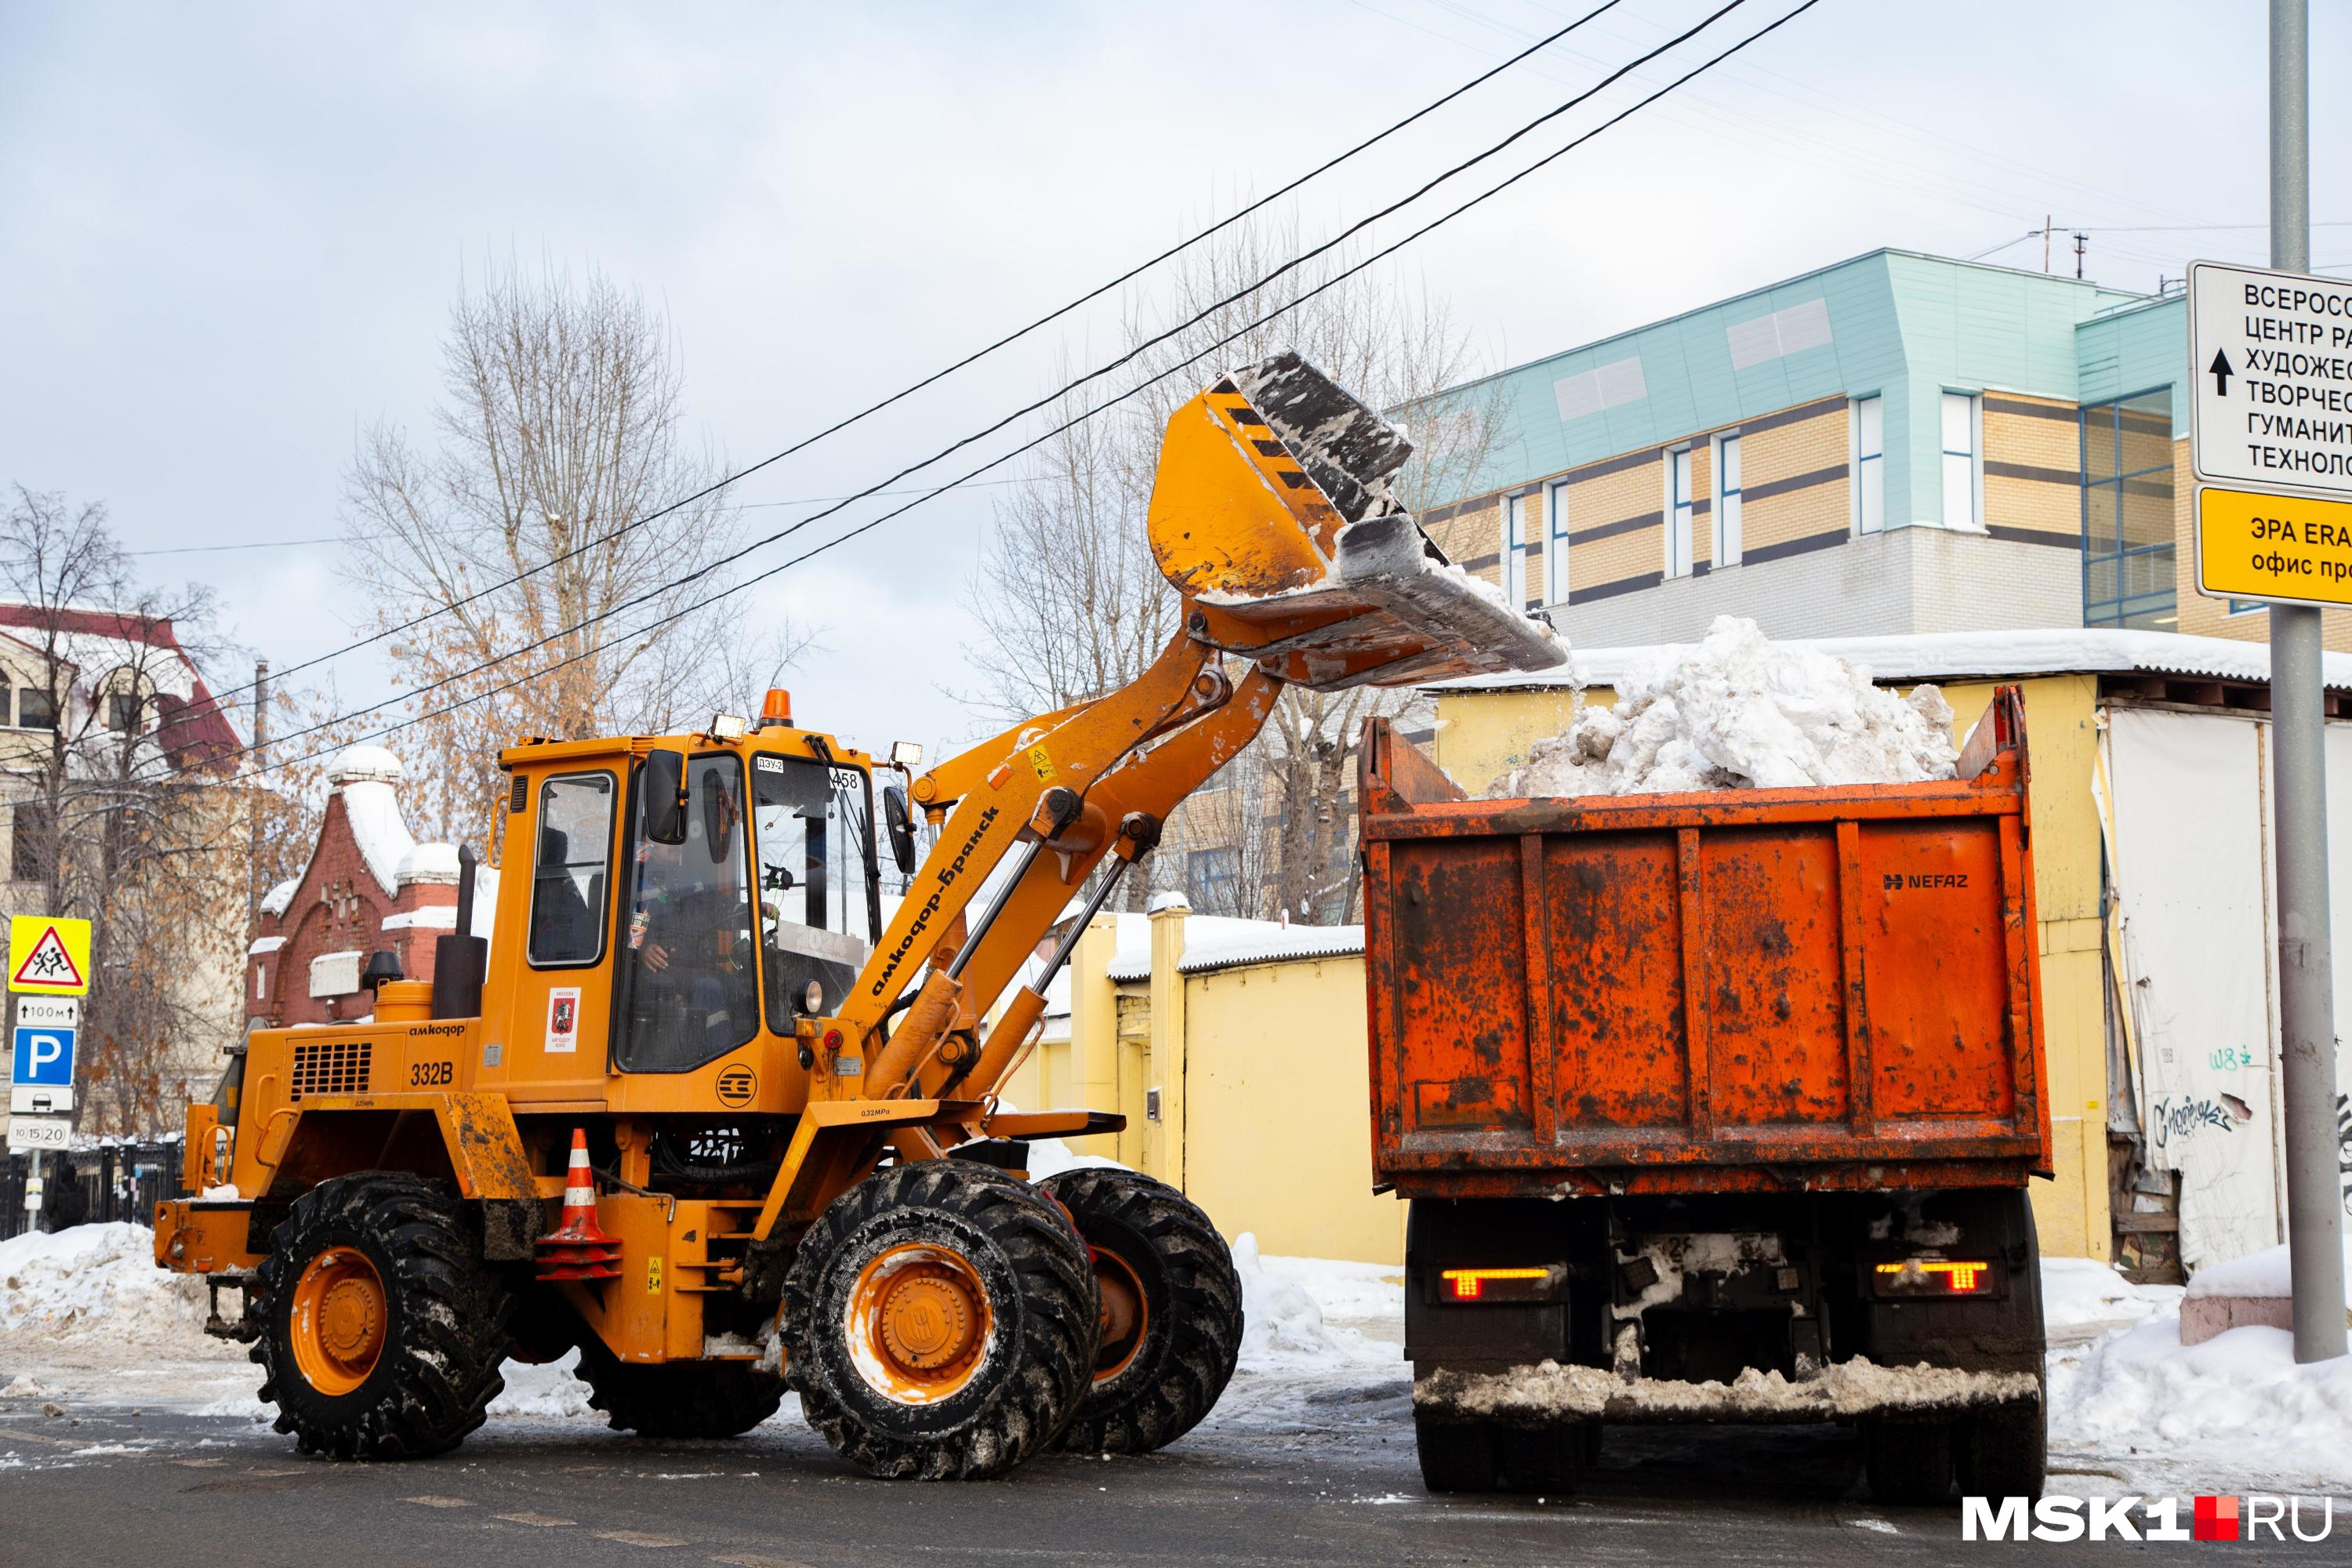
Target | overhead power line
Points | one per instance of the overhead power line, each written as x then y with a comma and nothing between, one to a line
1132,353
868,526
1056,315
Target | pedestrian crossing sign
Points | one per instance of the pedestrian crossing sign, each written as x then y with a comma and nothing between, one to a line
48,956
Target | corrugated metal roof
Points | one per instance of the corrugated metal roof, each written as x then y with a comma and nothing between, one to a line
1960,656
1273,943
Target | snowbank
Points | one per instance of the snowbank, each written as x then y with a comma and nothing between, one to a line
96,1289
1737,711
2264,1273
2237,1403
1280,1318
2081,1292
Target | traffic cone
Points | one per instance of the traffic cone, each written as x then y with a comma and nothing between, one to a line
579,1249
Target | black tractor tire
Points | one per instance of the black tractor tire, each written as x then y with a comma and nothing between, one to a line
1016,1259
439,1317
2004,1451
678,1399
1456,1456
1157,1382
1908,1461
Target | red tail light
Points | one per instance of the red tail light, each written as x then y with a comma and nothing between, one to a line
1495,1284
1934,1276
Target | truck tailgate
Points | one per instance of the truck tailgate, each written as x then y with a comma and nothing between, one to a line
1732,990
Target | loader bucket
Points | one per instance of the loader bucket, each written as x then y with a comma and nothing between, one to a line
1272,511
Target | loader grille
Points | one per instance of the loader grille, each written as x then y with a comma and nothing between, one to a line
330,1066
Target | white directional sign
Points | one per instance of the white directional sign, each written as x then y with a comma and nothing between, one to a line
2271,362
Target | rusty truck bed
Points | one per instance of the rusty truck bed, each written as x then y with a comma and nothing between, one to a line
1794,989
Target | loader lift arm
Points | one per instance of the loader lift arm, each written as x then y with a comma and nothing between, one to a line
1271,514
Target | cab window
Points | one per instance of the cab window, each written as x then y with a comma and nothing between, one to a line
687,991
816,877
568,875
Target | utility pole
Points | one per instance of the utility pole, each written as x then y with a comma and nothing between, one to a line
2080,239
253,809
2299,787
2045,242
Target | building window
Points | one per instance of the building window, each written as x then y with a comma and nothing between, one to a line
123,709
1521,530
1726,501
1556,546
35,709
1678,513
28,848
1869,465
1960,422
2127,541
1212,878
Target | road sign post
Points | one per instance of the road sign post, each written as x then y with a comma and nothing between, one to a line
2271,448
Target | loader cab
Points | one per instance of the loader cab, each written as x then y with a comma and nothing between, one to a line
754,903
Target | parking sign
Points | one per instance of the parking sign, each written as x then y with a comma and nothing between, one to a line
43,1056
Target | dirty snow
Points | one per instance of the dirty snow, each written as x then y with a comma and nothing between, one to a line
85,1315
1842,1389
1738,711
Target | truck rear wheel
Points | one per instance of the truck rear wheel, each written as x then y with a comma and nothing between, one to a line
382,1328
2004,1451
939,1321
1170,1311
1456,1456
1908,1461
678,1399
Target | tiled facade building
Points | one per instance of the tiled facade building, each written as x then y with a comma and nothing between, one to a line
1897,443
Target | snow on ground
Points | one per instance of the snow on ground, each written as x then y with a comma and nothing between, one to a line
2236,1411
1736,710
86,1315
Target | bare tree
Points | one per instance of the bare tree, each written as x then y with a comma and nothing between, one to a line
125,809
544,528
1073,604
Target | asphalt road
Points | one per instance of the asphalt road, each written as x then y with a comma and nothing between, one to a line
109,1485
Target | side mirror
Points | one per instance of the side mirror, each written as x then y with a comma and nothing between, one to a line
899,819
664,787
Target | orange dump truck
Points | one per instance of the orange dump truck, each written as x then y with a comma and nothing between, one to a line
1713,1107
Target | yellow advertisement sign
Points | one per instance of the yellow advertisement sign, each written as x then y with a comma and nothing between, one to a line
49,957
2282,549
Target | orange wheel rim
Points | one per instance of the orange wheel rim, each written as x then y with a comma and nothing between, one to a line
917,1322
339,1321
1125,1313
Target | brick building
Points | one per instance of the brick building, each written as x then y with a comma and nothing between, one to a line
369,886
1896,443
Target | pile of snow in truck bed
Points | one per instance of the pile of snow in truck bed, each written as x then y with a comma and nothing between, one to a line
1736,710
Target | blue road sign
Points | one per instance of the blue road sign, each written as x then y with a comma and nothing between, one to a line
43,1056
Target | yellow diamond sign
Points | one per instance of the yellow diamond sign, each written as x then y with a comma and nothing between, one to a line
48,956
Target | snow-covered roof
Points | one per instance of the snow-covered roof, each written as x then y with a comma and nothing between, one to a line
433,916
377,827
1278,946
363,763
1220,942
280,899
1956,656
263,944
428,863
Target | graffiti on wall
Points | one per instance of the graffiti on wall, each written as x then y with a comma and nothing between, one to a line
2180,1117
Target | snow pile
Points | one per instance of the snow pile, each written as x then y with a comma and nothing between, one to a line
2083,1293
550,1391
1738,711
2266,1273
95,1287
1280,1320
2236,1404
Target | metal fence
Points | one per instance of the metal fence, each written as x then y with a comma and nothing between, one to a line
116,1179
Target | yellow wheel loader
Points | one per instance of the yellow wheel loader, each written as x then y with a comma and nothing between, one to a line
708,1113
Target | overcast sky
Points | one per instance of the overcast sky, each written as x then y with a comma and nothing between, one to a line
230,236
